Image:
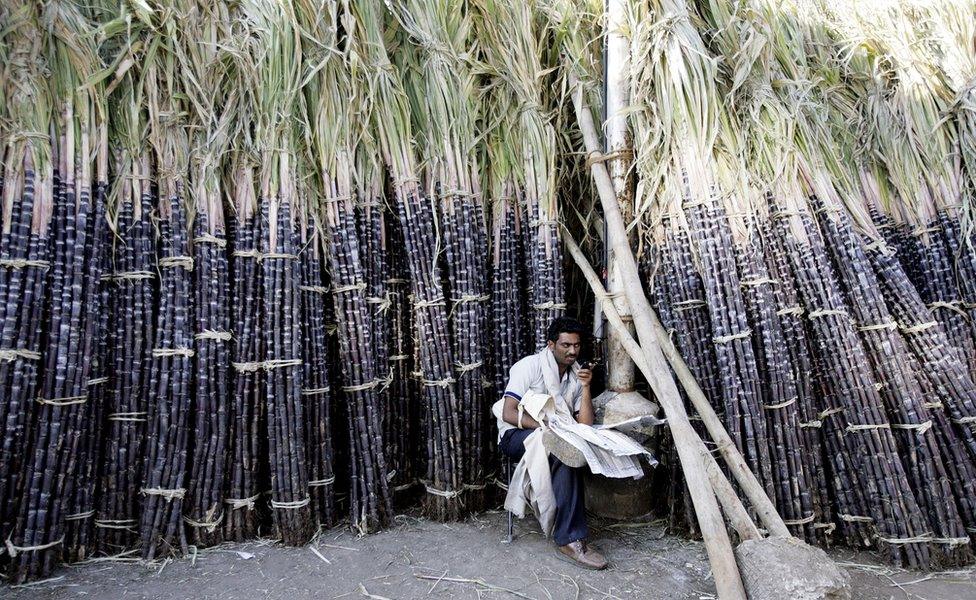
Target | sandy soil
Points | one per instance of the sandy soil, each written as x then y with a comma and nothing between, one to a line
423,559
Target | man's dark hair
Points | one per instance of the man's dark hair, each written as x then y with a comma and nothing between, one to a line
565,325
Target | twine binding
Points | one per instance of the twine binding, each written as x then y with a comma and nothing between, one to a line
826,312
169,352
213,334
23,263
12,355
447,381
13,550
295,504
790,310
724,339
550,306
919,328
781,404
322,482
248,503
210,526
442,493
66,401
890,325
80,516
170,262
316,391
314,289
128,416
125,524
867,427
807,519
919,427
352,287
168,494
206,238
854,518
267,365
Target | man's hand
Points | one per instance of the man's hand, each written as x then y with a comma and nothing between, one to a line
585,377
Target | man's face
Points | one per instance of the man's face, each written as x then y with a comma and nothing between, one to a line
566,349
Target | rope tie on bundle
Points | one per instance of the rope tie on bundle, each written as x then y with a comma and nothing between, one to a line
210,239
252,253
920,428
933,405
879,245
784,214
361,387
80,516
439,301
467,368
213,334
405,486
398,357
759,281
169,352
725,339
267,365
964,420
442,493
919,328
471,298
339,198
540,222
598,157
923,230
790,310
385,382
314,289
210,526
807,519
854,518
23,263
135,416
168,494
446,382
381,303
97,381
316,391
473,487
867,427
172,262
125,524
292,505
829,412
789,402
322,482
278,256
811,425
260,256
121,276
826,312
396,280
925,538
890,325
953,305
12,355
688,304
66,401
237,503
550,306
13,550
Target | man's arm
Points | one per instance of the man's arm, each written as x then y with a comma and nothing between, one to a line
510,415
585,414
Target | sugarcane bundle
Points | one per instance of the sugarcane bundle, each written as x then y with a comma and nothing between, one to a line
80,170
447,117
317,394
27,196
391,121
247,472
363,376
212,122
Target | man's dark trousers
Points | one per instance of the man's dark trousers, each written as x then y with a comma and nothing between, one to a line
567,487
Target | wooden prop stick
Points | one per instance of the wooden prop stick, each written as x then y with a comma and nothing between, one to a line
732,506
716,538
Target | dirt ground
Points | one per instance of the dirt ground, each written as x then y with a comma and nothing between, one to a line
423,559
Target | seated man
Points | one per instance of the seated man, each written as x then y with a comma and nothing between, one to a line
564,339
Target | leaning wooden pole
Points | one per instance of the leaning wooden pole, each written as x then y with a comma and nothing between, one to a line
716,538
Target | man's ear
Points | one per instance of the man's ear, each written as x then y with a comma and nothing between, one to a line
550,344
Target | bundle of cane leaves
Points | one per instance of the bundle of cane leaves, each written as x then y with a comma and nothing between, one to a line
132,281
675,132
446,97
79,160
390,117
273,41
328,92
211,123
512,42
28,197
161,527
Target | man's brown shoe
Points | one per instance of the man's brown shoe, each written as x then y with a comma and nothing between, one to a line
579,554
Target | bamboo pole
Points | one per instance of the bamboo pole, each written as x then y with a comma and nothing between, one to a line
716,538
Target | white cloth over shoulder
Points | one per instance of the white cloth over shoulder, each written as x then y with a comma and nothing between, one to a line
607,452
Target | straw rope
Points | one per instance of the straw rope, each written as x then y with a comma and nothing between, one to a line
964,420
867,427
952,305
724,339
826,312
757,282
314,289
213,334
128,276
23,263
96,381
352,287
322,482
362,386
854,518
316,391
829,412
206,238
461,368
294,504
248,503
182,262
13,550
12,355
446,382
789,402
126,524
470,298
550,306
811,425
128,416
267,365
443,494
66,401
398,357
168,494
807,519
688,304
791,310
933,405
80,516
210,526
427,303
920,427
168,352
919,328
890,325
